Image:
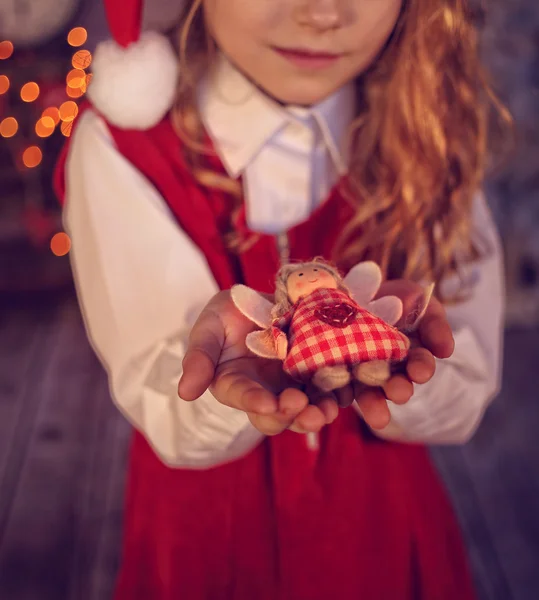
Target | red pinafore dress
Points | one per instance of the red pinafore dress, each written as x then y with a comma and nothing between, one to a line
357,518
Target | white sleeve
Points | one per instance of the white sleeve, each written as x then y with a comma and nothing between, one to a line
449,408
141,284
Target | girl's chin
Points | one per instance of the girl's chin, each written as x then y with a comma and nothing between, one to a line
295,91
296,97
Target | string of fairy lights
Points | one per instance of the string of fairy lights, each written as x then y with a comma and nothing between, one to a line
52,118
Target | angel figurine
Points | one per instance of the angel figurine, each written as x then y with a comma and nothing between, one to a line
327,329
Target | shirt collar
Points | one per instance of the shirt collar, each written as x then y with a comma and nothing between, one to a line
241,119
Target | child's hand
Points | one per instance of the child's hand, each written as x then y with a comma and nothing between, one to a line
433,338
217,358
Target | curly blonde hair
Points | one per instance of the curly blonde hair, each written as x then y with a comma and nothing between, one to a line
418,147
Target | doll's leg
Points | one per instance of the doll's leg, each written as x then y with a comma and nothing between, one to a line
374,372
331,378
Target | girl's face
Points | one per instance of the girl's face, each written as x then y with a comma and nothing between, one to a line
302,282
301,51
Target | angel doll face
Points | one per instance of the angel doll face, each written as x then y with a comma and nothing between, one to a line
306,280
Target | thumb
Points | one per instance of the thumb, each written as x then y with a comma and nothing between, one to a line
202,356
418,309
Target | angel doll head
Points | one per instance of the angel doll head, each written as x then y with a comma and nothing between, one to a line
300,279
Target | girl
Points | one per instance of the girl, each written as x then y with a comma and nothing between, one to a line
349,129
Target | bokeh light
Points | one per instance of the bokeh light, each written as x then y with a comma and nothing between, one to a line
66,128
4,84
6,50
30,91
60,244
82,59
77,36
32,157
53,113
68,111
76,78
75,93
9,127
45,127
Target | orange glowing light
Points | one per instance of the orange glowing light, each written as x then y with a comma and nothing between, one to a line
9,127
32,157
68,111
82,59
6,50
76,78
60,244
66,128
77,36
45,127
30,91
4,84
53,113
75,93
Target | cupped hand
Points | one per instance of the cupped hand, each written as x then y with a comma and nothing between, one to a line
432,339
218,359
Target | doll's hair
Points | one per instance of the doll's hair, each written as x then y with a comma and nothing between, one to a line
418,148
282,301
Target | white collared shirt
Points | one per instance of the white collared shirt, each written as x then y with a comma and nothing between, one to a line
289,157
138,319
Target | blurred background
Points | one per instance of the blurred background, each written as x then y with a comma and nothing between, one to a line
63,445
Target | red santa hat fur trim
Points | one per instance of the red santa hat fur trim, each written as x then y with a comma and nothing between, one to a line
134,76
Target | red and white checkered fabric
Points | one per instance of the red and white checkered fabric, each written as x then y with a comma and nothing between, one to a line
327,328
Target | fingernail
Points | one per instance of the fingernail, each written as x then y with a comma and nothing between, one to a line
267,408
179,389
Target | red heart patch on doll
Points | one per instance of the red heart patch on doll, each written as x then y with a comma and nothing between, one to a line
336,315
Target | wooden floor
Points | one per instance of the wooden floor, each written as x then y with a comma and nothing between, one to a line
63,450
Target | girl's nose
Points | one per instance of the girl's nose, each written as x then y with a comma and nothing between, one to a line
322,14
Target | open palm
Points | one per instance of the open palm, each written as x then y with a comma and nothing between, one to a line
218,359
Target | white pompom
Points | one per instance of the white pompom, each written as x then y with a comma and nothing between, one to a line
134,87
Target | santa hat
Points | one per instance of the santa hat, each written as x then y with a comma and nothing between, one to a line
134,74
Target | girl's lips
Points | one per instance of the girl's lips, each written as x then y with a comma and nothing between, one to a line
307,58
